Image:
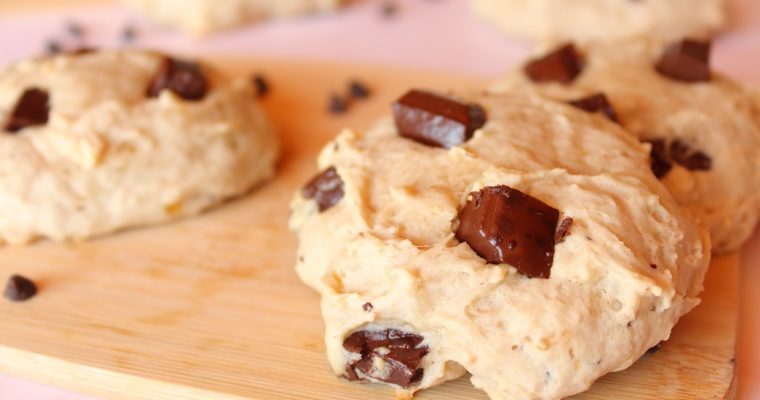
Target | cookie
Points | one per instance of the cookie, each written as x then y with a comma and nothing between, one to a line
603,20
201,17
511,237
99,141
703,127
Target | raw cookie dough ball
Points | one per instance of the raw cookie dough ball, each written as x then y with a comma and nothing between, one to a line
96,142
704,127
603,20
512,237
200,17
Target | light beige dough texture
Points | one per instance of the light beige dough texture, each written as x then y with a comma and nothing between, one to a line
111,158
390,242
201,17
720,118
603,20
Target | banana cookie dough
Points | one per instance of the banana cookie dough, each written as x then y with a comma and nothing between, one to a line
512,237
200,17
604,20
703,127
98,141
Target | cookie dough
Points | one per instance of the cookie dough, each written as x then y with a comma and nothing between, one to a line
200,17
703,125
99,141
396,231
603,20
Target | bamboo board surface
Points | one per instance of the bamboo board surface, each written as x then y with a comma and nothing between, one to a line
211,308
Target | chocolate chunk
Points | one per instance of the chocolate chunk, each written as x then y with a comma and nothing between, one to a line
31,109
389,8
74,29
687,60
128,34
261,84
367,307
19,288
436,120
504,225
562,65
596,103
337,104
52,47
653,266
661,164
654,349
326,189
183,78
563,230
390,356
690,159
358,90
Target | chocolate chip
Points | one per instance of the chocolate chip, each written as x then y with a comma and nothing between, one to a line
326,189
661,164
74,29
504,225
261,84
596,103
358,90
52,47
367,307
563,230
31,109
128,34
562,65
653,266
337,104
19,288
389,9
436,120
687,60
184,78
654,349
691,159
401,354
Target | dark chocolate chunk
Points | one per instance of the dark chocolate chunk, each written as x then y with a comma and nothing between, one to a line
653,266
31,109
504,225
184,78
689,158
337,104
19,288
401,353
358,90
687,60
563,230
436,120
367,307
52,47
562,65
326,189
654,349
596,103
661,164
261,84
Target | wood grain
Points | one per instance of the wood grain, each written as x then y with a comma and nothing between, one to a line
210,308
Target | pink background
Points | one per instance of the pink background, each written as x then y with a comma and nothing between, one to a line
428,34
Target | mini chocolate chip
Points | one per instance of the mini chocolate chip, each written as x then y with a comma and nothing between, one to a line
400,351
562,65
19,288
653,266
596,103
326,189
261,84
31,109
358,90
504,225
367,307
687,60
74,29
654,349
693,160
436,120
563,230
52,47
337,104
661,164
184,78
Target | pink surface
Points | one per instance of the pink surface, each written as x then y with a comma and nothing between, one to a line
430,34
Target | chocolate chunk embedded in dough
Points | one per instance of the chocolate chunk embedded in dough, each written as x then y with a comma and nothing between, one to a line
687,61
184,78
390,356
693,160
326,189
562,65
31,109
596,103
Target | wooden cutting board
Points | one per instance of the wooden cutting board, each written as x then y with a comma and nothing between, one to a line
211,308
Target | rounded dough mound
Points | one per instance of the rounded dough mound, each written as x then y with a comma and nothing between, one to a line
604,20
110,157
200,17
721,118
385,256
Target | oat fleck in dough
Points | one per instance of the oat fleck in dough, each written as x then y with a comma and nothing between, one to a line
446,295
96,142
